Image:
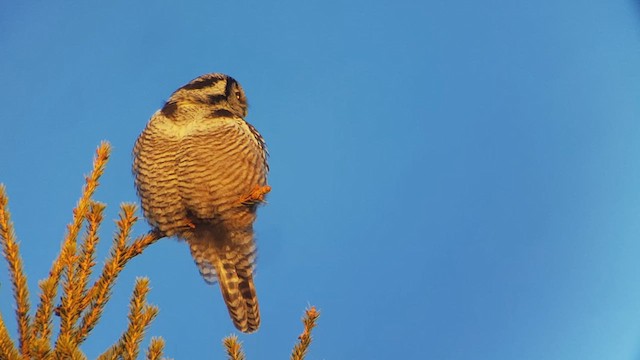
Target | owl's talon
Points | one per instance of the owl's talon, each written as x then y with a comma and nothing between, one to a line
256,195
189,224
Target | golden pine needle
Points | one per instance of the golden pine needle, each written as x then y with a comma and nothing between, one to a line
140,317
11,251
86,260
66,309
7,349
113,353
233,347
304,340
41,328
100,292
40,349
78,268
49,286
66,348
156,347
65,263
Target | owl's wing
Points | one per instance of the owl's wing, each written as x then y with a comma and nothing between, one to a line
154,167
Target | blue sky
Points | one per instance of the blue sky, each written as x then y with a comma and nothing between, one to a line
451,180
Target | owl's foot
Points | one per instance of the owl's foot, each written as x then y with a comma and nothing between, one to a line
256,195
187,224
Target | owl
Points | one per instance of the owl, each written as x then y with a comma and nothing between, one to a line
201,171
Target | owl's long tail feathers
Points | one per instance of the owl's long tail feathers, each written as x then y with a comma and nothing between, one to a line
239,293
232,267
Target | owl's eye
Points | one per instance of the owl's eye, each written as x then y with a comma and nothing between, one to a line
238,95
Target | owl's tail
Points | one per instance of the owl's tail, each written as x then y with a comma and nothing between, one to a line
239,293
232,267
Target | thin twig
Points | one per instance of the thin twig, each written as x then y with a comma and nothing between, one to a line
142,242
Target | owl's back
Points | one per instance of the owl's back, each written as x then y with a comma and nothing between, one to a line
196,169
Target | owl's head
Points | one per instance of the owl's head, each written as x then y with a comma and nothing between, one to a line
219,93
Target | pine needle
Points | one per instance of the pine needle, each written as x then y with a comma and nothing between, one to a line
66,348
113,353
304,340
234,348
40,349
86,260
11,251
100,292
7,349
140,316
156,347
49,286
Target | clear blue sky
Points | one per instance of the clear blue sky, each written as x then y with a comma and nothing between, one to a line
451,180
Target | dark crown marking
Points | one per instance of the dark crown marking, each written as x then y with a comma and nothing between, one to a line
230,83
169,109
203,83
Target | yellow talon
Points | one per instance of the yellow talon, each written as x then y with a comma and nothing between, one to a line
256,195
189,224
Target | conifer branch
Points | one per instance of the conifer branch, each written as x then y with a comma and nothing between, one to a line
140,316
156,347
7,349
100,292
304,340
86,260
49,286
234,348
11,252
